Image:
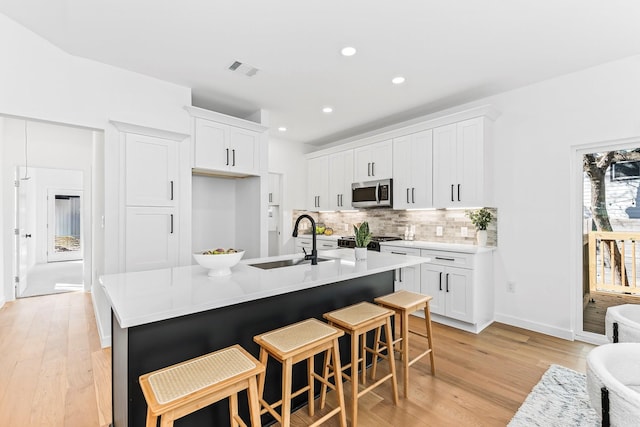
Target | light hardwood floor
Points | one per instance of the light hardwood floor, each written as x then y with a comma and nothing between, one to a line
53,372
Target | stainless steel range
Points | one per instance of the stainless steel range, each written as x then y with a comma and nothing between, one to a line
350,242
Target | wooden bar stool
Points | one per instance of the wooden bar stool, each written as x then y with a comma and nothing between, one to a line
181,389
405,303
295,343
356,320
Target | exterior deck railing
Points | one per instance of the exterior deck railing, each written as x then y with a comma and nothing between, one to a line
613,261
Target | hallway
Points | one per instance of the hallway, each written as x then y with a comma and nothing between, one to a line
53,278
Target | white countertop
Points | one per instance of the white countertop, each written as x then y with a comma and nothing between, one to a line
149,296
450,247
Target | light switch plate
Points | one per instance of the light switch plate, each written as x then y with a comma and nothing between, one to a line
439,230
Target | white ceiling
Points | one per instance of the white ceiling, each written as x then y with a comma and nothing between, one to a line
450,51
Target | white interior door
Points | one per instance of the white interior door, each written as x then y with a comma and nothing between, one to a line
64,225
21,234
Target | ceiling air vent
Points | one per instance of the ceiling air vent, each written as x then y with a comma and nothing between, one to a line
246,69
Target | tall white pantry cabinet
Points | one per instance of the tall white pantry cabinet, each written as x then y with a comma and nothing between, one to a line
151,194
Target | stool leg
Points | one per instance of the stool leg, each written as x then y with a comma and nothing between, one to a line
405,350
374,363
152,420
310,394
286,393
254,403
337,376
233,409
264,356
363,354
392,362
354,378
427,318
325,375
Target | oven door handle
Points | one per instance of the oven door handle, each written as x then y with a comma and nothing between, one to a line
378,193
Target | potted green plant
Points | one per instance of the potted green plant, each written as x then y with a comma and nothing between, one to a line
363,238
480,218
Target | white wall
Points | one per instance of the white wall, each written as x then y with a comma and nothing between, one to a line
533,139
213,213
44,82
287,158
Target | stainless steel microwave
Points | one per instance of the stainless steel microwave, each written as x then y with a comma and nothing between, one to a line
372,194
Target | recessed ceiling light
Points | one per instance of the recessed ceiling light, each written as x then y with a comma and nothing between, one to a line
348,51
397,80
327,110
282,129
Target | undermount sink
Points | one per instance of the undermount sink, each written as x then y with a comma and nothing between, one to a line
286,263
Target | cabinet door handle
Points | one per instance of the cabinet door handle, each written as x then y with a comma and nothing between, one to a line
445,259
233,152
440,281
452,193
373,169
400,271
407,194
459,192
413,194
270,198
447,282
337,199
227,150
171,232
342,200
318,201
368,169
171,190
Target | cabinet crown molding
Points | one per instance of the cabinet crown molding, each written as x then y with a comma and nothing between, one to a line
408,127
202,113
144,130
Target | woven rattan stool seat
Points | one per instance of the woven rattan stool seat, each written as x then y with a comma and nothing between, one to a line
403,299
357,314
298,335
178,390
404,303
180,380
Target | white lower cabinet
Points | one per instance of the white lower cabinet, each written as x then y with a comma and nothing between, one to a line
407,278
461,285
151,238
306,243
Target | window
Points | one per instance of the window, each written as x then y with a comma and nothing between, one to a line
625,170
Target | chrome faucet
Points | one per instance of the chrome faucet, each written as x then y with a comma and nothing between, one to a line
314,253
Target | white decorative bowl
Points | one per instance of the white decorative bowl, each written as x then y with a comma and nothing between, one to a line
219,264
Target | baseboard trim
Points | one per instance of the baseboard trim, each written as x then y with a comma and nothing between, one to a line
105,339
542,328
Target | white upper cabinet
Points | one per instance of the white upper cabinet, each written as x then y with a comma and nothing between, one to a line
151,167
340,179
412,171
220,147
373,161
318,184
461,175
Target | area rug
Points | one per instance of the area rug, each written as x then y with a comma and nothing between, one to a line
559,399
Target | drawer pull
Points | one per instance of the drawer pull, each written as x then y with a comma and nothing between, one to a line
445,259
398,253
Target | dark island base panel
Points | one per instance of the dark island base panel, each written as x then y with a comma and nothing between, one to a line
160,344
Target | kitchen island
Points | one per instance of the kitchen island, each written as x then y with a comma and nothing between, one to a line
162,317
